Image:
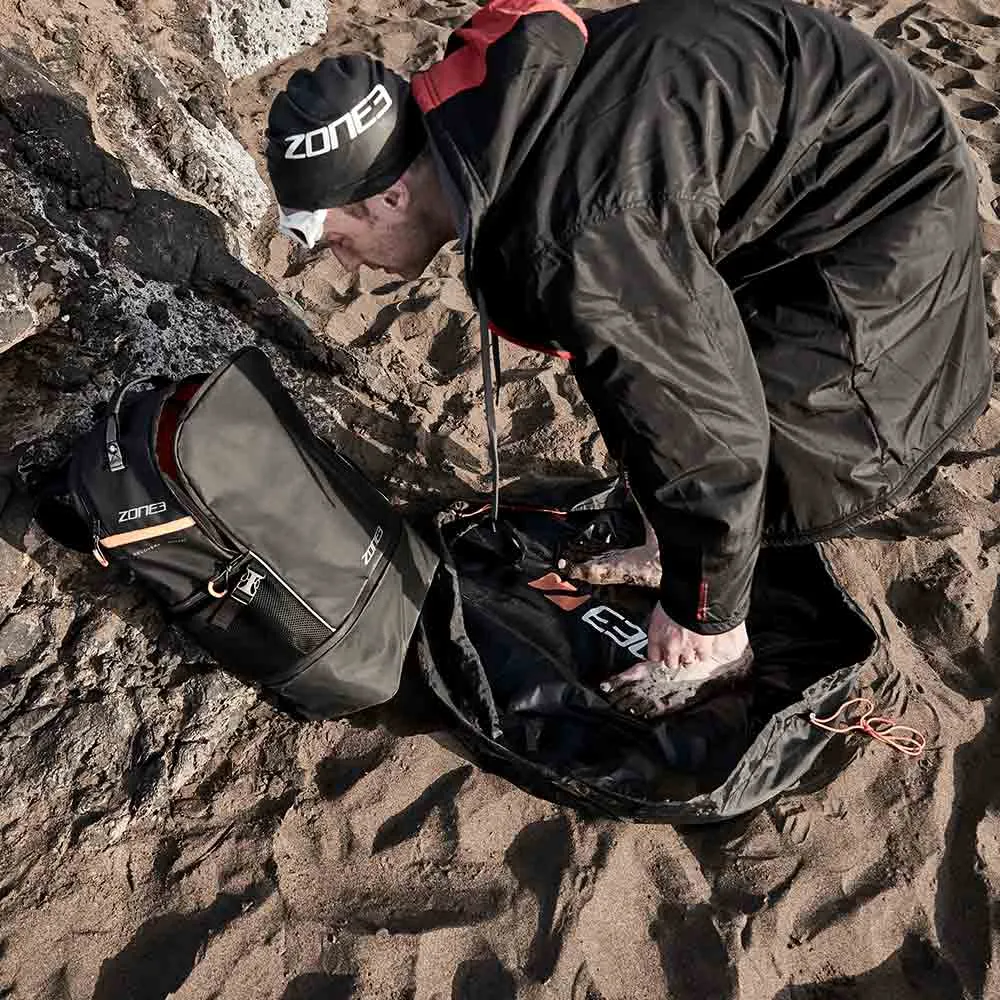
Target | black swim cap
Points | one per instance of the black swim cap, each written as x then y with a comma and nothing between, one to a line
341,133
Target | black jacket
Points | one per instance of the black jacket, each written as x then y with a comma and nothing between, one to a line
754,231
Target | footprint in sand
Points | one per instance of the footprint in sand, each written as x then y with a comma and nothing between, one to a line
165,948
320,986
979,111
917,35
949,78
338,774
794,825
584,987
540,857
532,403
479,978
440,795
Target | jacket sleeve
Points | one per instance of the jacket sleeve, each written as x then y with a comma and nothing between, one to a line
663,359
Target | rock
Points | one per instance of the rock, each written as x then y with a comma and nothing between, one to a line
19,635
157,311
51,132
109,717
170,146
194,172
16,323
201,111
17,318
100,697
66,377
250,34
91,265
15,235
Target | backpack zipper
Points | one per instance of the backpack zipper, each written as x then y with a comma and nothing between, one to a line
214,589
203,517
77,490
249,552
373,579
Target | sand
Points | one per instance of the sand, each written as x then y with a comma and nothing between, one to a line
325,861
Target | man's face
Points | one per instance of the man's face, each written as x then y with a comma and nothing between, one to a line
385,231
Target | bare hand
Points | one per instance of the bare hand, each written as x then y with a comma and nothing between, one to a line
674,646
637,567
682,667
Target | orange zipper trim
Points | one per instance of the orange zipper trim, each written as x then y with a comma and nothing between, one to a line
143,534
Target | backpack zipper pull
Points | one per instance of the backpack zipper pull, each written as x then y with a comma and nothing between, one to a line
112,447
99,552
218,586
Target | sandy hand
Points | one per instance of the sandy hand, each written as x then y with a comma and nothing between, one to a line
683,667
638,567
651,690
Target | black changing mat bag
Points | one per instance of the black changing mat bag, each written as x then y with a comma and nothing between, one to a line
512,656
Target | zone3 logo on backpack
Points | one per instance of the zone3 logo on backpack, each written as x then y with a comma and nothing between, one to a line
146,510
302,577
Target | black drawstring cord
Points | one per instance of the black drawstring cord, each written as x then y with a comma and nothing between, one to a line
490,358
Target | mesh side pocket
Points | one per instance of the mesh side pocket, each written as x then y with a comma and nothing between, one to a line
276,611
263,638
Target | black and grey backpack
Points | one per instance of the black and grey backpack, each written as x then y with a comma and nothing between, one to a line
263,541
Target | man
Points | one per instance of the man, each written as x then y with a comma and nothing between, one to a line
750,228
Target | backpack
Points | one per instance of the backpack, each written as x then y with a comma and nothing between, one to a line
263,542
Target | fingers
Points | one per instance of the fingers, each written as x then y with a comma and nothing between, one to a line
656,644
600,569
666,641
637,703
637,673
677,648
657,634
678,661
670,648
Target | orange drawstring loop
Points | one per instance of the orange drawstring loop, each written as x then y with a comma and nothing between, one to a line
905,739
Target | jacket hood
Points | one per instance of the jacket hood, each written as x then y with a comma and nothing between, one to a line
497,89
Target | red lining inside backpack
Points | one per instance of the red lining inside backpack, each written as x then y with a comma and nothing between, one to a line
166,427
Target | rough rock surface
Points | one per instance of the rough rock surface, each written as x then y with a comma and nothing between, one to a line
152,95
249,34
167,834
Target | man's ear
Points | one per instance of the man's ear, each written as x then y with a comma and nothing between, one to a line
397,198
